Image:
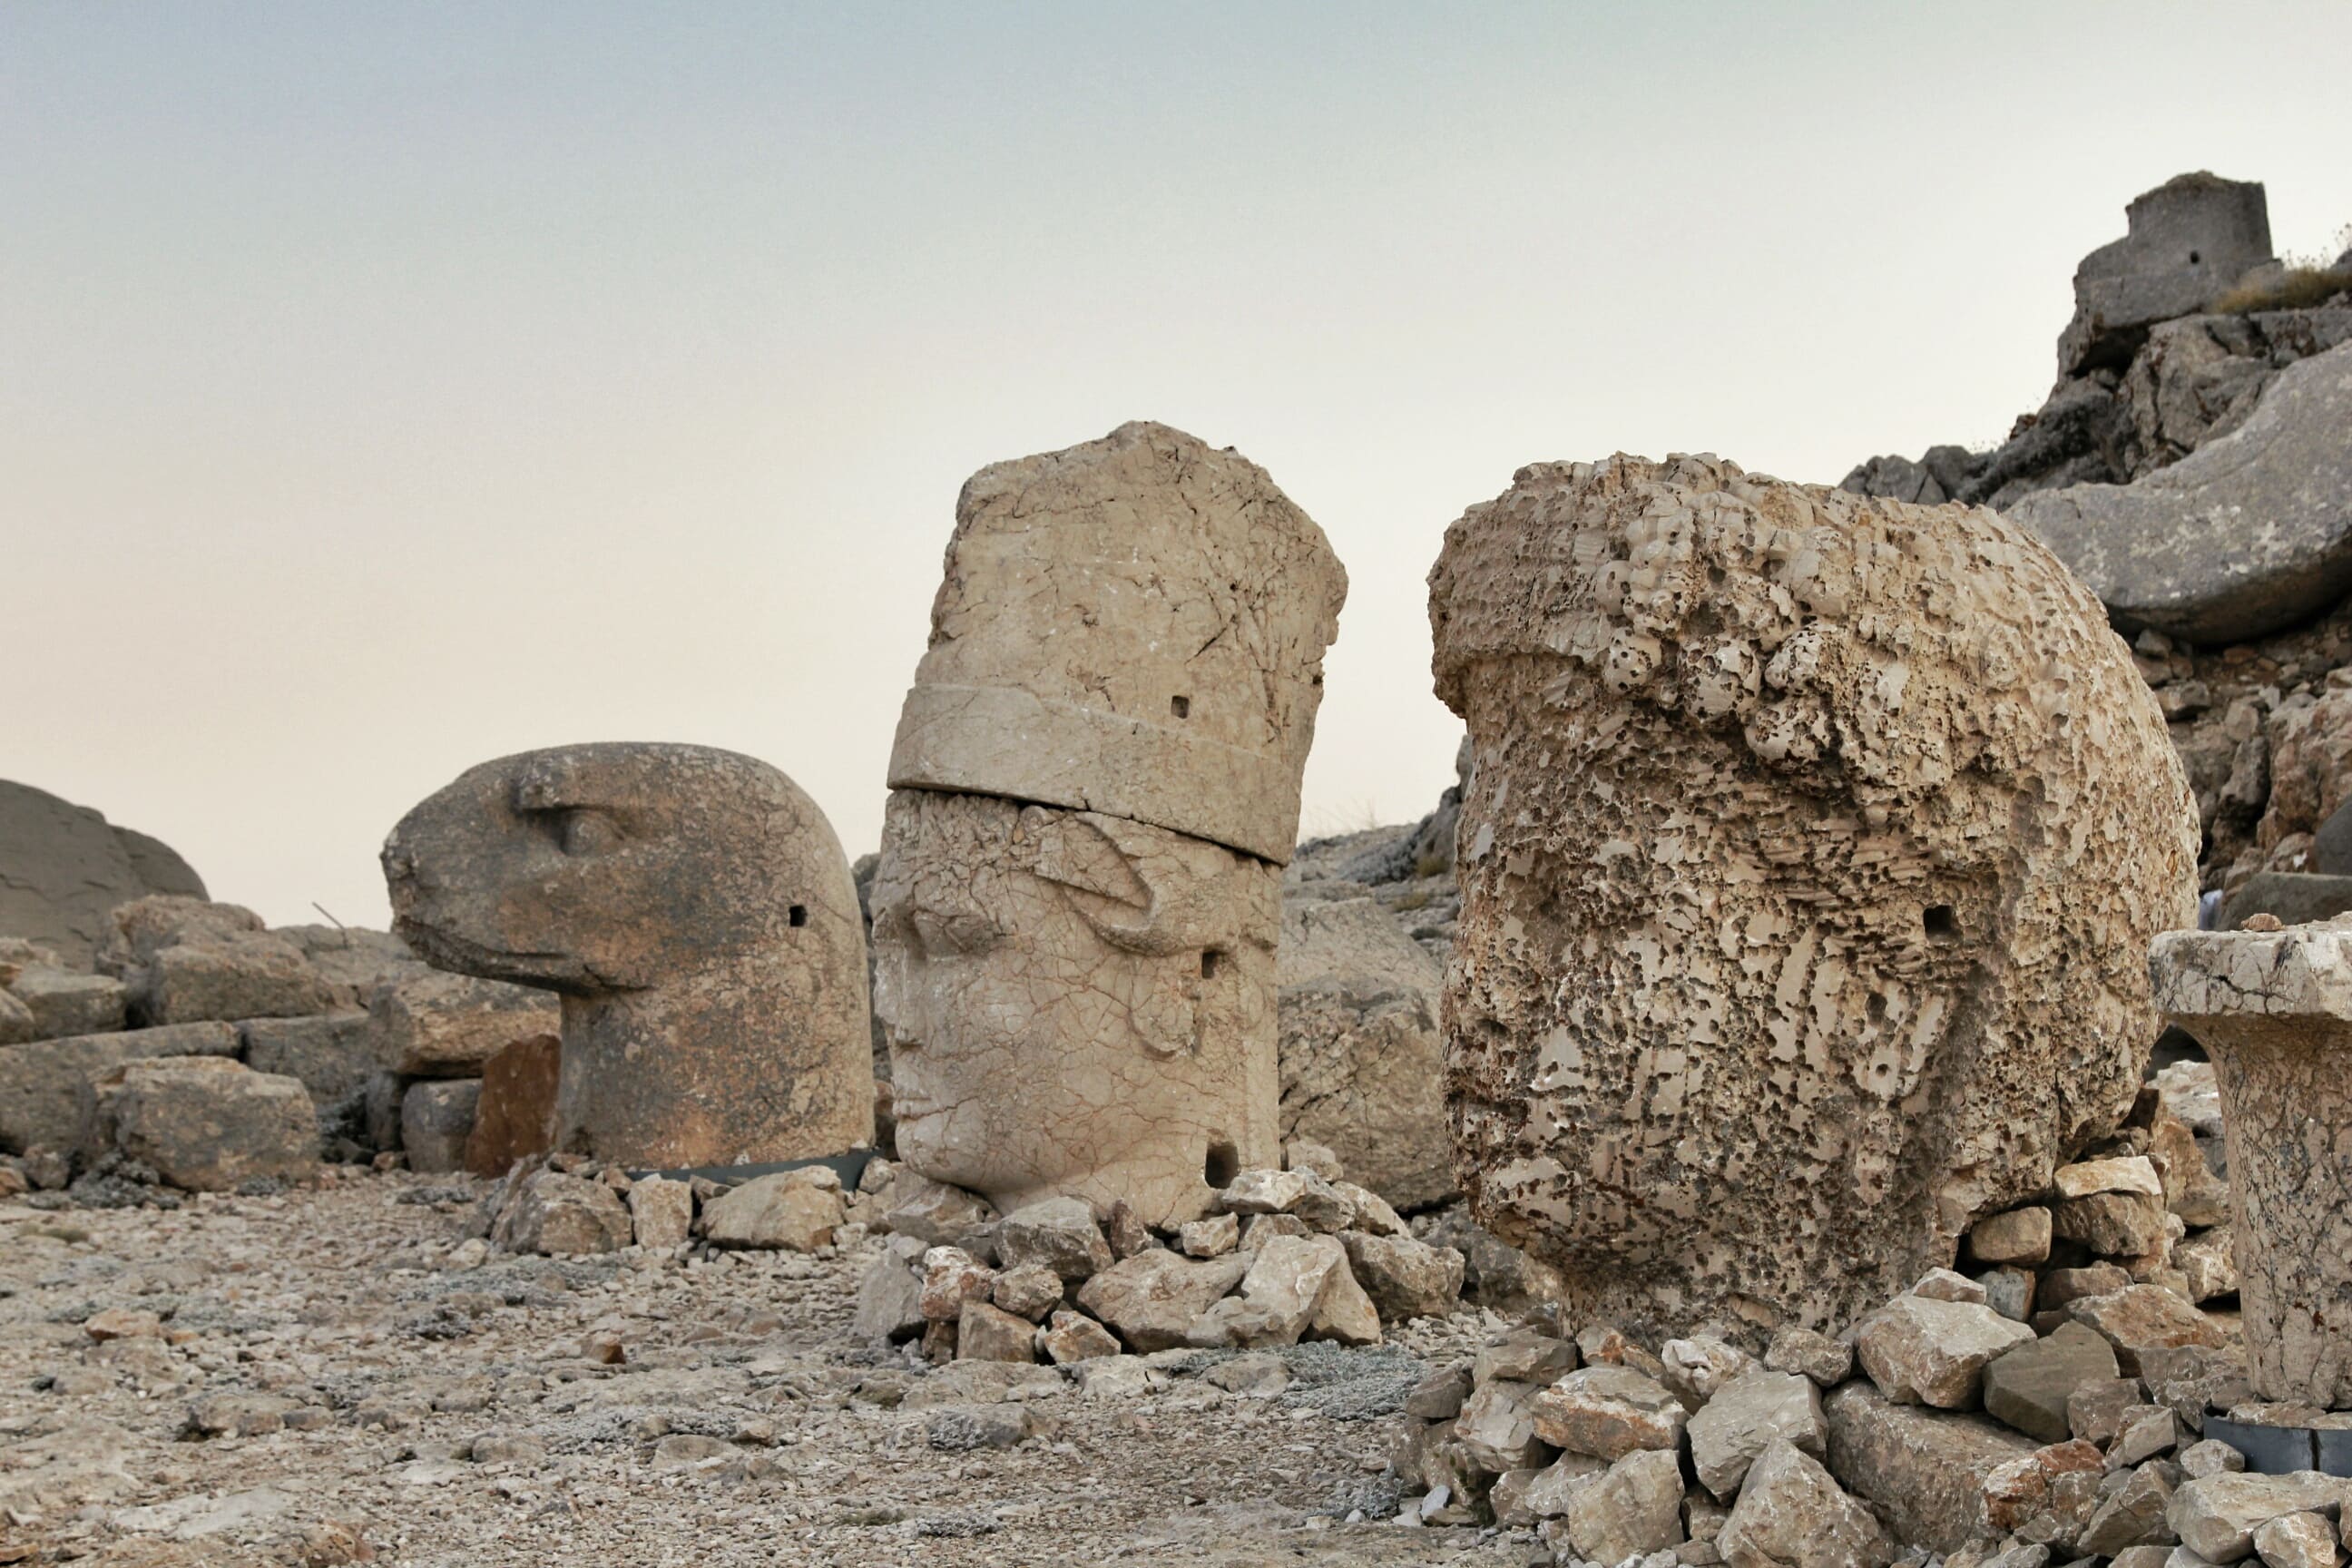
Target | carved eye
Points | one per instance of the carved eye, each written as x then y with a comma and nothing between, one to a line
584,832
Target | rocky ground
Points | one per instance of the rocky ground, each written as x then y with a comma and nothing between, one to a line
332,1375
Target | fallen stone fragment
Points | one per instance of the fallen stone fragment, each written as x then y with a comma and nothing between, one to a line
1946,1284
62,1001
205,1123
1287,1280
952,1277
436,1119
122,1323
2216,1516
1792,1513
1439,1395
1634,1510
2009,1292
2210,1458
1496,1426
1257,1376
1923,1351
1525,1355
939,1214
988,1332
1118,1377
431,1025
507,1446
562,1215
1152,1298
1818,1356
1060,1232
2017,1235
2058,1480
890,1298
1211,1237
2030,1387
2140,1318
1027,1290
1696,1367
2113,1225
1072,1337
1404,1278
238,1414
2132,1515
514,1118
2296,1541
44,1084
1745,1417
1609,1412
2209,1264
661,1213
2132,1173
2144,1434
797,1211
2059,1287
1922,1470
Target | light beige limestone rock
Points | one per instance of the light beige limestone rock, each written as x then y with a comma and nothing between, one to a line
694,911
794,1210
1792,1513
2215,1517
1918,1350
1806,868
2274,1009
1634,1510
1134,627
1096,781
1609,1412
661,1212
1745,1418
1077,1005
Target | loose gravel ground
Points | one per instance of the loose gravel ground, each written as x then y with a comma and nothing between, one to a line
341,1327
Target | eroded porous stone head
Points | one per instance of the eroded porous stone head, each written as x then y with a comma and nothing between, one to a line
1077,1005
1133,627
694,910
1806,872
1096,778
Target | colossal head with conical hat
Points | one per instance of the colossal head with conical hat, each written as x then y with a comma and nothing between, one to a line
1098,775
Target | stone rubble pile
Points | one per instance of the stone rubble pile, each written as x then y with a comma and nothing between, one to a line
200,1050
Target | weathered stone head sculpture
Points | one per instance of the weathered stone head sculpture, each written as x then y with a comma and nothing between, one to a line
1808,869
693,909
1097,780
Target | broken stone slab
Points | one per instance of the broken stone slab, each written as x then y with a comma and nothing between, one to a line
797,1211
1151,1300
1818,1357
2030,1387
1919,1349
2296,1541
1621,637
1073,1337
561,1216
2014,1236
1027,1290
2209,1264
332,1052
1696,1367
1406,1278
62,1001
695,910
1609,1412
2113,1224
1746,1416
437,1118
205,1123
1634,1510
1792,1513
1496,1426
2134,1174
2215,1517
1525,1355
1922,1470
661,1212
2140,1319
986,1331
1060,1232
939,1214
44,1084
515,1117
2276,488
890,1298
2275,1012
430,1024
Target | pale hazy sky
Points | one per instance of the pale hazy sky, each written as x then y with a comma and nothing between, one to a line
387,387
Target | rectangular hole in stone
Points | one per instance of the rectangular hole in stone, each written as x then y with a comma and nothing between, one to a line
799,916
1180,705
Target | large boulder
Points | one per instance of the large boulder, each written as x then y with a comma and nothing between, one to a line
431,1025
43,1084
1924,1471
1805,908
63,867
1363,1071
2248,534
185,961
205,1124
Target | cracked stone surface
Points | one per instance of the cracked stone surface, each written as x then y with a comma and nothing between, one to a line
2273,1010
694,911
1808,868
1094,783
1134,627
1077,1005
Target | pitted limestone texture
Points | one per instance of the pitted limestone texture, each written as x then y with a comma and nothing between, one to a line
1133,627
694,911
2273,1010
1805,873
1077,1005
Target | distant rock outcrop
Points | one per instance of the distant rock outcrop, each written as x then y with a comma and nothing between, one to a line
64,868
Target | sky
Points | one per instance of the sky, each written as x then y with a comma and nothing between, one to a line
384,388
